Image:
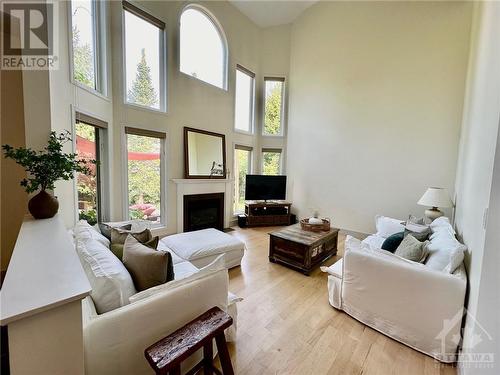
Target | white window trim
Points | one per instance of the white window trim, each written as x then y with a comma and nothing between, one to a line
283,104
163,177
162,67
223,38
100,60
252,95
105,173
251,170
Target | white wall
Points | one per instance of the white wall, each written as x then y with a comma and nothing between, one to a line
190,102
475,175
376,93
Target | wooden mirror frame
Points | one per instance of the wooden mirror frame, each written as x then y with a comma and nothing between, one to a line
187,174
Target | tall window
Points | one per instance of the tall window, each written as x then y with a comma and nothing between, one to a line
84,31
273,106
145,174
244,99
144,49
203,48
89,133
271,161
242,167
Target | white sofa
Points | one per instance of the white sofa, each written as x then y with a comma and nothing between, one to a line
114,341
420,305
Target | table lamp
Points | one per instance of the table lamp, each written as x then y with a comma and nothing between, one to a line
435,197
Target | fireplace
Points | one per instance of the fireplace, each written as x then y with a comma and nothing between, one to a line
203,211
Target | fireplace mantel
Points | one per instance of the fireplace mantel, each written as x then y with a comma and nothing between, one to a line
201,180
203,186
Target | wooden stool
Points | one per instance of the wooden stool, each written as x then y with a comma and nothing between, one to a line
166,355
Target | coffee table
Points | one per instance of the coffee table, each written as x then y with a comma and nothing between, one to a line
300,249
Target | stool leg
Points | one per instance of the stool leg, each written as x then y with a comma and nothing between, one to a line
176,370
225,359
208,356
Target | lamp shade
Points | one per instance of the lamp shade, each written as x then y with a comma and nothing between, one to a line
435,197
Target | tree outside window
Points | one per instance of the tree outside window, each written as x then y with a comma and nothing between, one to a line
273,106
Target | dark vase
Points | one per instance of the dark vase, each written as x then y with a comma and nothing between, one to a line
43,205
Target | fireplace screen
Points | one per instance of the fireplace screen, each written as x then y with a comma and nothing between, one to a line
203,211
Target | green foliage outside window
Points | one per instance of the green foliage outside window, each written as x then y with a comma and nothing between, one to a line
272,112
142,91
242,169
83,62
271,163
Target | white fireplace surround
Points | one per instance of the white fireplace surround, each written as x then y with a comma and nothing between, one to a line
203,186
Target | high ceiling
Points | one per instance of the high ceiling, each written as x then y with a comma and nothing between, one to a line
272,13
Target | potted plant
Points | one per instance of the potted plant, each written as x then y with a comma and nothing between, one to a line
44,168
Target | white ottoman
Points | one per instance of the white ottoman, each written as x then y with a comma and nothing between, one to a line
201,247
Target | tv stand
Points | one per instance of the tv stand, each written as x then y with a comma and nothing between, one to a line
267,213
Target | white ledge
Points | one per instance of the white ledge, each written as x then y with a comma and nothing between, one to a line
201,180
44,271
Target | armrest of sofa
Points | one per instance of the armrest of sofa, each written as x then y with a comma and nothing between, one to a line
115,341
406,300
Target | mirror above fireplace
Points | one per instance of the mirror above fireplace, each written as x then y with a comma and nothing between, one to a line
204,154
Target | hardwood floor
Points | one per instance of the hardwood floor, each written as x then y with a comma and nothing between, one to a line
287,326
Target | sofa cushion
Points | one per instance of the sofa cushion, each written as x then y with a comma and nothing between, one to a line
111,283
184,269
215,266
148,267
445,252
202,243
373,241
84,231
392,242
387,226
412,249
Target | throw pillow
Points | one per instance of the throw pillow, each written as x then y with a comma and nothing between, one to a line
387,226
111,283
83,231
106,229
117,248
391,243
120,235
148,267
412,249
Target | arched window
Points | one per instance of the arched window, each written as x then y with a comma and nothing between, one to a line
203,46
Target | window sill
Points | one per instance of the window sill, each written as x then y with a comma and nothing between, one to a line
144,108
223,89
244,132
90,90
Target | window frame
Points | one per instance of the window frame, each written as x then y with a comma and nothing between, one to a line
275,78
243,147
162,48
275,150
252,75
99,25
102,168
222,35
163,171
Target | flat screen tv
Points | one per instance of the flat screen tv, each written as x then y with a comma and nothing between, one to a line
259,187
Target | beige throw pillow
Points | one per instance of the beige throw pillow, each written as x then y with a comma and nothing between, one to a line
148,267
412,249
117,248
120,235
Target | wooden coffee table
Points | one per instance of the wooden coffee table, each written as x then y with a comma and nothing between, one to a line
302,250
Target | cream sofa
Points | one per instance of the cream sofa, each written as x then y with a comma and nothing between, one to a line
114,340
417,304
